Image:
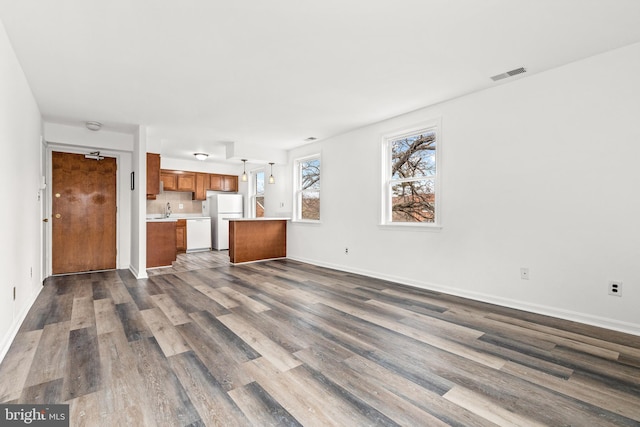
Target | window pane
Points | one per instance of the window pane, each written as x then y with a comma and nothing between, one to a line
413,201
414,156
260,206
310,174
310,206
260,182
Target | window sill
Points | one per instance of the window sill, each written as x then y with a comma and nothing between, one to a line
306,221
411,227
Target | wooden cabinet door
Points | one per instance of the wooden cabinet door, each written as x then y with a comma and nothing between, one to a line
186,181
153,175
202,183
215,182
229,183
169,180
181,235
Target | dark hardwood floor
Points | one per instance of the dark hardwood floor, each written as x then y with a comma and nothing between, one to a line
287,343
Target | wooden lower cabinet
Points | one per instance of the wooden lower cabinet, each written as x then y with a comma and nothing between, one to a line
181,235
256,240
161,243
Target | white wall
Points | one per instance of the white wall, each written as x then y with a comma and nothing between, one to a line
20,222
539,173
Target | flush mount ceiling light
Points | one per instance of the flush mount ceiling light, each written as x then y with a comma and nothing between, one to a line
244,170
94,126
201,156
272,180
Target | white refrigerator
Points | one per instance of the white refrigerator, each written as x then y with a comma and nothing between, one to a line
221,208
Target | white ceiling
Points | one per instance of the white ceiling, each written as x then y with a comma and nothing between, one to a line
275,72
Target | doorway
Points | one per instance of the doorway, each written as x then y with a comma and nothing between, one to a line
83,213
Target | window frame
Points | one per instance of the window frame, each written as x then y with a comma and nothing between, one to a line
254,189
386,219
297,191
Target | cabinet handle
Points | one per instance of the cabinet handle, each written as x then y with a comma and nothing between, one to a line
45,220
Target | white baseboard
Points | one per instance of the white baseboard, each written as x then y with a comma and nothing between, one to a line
7,340
138,275
602,322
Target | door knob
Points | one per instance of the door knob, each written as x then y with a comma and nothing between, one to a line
58,215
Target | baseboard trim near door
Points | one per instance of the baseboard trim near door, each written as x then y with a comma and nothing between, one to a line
7,340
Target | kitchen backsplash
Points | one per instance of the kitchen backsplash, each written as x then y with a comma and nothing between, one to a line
175,199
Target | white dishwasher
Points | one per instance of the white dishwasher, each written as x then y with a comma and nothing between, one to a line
198,234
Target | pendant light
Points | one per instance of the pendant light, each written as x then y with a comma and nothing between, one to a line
272,180
244,170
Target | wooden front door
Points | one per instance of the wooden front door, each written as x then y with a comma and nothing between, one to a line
83,213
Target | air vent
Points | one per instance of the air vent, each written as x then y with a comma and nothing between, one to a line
509,74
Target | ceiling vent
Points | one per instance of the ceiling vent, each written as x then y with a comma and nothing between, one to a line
509,74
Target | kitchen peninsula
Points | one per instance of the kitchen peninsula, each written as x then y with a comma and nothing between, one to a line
253,239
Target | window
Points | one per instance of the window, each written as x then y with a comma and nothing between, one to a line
307,188
411,177
257,197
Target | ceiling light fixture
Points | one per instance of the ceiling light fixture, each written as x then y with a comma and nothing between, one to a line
272,180
94,126
201,156
244,170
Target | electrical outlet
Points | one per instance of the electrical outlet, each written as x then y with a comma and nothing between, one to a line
524,273
346,251
180,206
615,288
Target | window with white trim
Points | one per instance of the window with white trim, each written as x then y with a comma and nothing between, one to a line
411,177
257,194
307,188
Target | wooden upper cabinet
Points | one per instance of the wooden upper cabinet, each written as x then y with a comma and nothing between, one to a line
178,180
215,182
186,181
169,180
229,183
202,183
153,175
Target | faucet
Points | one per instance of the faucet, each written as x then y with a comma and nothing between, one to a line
167,210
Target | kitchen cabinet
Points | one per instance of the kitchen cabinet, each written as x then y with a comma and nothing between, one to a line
181,235
169,180
161,243
223,182
229,183
186,181
153,175
202,183
215,182
178,180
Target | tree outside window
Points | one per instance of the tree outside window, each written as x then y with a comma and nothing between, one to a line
308,189
411,177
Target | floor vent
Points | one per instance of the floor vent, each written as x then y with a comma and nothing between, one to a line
509,74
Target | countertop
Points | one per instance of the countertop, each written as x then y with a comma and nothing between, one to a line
256,219
174,218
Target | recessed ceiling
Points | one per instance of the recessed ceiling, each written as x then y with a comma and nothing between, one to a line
274,72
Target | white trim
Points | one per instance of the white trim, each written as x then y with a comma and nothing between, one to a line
15,327
545,310
253,189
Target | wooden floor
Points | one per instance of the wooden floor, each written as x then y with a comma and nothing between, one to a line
286,343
